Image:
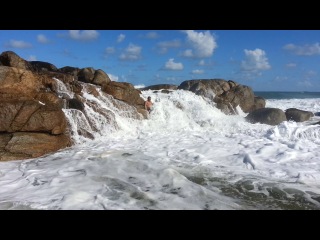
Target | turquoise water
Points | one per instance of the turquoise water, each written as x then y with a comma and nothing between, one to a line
287,95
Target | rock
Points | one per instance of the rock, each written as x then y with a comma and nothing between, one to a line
19,82
91,89
298,115
100,78
30,116
49,98
270,116
75,104
259,102
30,145
125,92
86,75
227,94
317,114
160,86
70,70
240,95
11,59
42,66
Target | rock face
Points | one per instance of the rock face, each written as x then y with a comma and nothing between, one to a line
227,94
32,98
21,145
100,78
42,66
124,92
259,102
31,116
160,86
270,116
30,112
11,59
298,115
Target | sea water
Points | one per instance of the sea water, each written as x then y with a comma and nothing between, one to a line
186,155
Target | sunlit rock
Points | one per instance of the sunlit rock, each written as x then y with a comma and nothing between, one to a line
11,59
298,115
270,116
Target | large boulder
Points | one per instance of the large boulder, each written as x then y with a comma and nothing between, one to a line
298,115
208,88
86,75
125,92
70,70
259,102
100,78
75,104
23,145
160,86
31,116
11,59
226,94
19,82
270,116
42,66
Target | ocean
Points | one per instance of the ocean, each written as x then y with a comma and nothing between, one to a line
187,155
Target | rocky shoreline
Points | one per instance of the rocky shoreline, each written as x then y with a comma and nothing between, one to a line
33,95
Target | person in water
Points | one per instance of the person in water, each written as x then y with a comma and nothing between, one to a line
148,105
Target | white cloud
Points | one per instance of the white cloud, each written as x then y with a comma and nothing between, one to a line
305,83
171,65
84,35
255,60
32,58
110,50
187,53
281,78
203,44
113,77
171,79
291,65
197,71
201,63
305,50
152,35
18,44
139,86
42,39
121,37
311,73
132,52
164,46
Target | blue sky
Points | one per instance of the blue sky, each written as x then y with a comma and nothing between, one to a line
265,60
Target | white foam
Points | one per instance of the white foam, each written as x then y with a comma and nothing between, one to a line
182,157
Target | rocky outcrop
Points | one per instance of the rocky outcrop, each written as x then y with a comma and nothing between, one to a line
125,92
226,94
259,102
43,66
160,87
11,59
22,145
29,106
86,75
16,82
298,115
270,116
70,70
31,116
100,78
32,98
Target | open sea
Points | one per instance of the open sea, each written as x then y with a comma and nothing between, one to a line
186,155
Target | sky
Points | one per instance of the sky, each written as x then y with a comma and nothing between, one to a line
265,60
